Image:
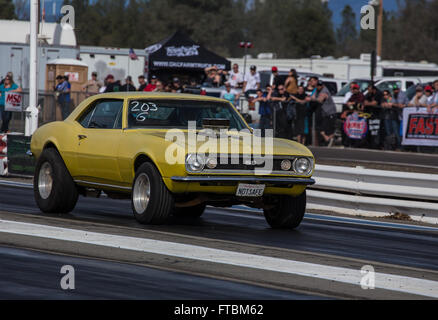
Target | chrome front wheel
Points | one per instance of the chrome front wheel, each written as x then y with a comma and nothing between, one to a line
151,200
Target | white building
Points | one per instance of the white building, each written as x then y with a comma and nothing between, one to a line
54,42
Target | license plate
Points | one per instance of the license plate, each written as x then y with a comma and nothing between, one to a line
250,190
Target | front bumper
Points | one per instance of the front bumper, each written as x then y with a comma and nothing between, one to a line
235,179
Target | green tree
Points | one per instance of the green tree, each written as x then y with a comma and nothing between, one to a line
7,10
292,29
346,33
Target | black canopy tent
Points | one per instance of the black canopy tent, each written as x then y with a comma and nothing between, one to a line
180,56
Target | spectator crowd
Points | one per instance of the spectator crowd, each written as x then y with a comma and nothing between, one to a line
381,114
302,111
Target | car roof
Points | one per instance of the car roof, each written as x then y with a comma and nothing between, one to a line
143,94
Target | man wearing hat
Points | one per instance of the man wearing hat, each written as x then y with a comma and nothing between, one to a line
251,81
111,84
142,82
93,85
428,91
62,92
420,99
151,85
277,80
176,86
128,86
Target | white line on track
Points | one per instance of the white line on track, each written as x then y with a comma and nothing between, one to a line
391,282
16,184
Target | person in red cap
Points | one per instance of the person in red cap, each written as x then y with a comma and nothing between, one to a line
428,91
277,80
355,103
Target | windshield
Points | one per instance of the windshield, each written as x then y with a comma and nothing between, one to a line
167,114
363,84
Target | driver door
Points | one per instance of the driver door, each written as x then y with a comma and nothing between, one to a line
97,151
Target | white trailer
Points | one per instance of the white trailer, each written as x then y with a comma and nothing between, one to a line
115,61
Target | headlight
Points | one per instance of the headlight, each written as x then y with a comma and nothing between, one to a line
286,165
195,162
211,163
303,166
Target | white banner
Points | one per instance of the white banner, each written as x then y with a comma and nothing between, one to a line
420,128
13,102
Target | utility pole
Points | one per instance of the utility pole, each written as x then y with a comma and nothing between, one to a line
379,29
32,110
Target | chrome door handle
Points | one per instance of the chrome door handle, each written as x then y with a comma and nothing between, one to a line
82,137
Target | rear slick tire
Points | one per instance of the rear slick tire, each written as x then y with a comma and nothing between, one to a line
54,188
287,213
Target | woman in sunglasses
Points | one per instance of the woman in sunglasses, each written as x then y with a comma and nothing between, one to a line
8,85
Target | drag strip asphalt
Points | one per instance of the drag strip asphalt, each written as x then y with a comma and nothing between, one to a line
280,260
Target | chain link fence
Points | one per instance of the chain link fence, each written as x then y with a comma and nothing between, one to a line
49,109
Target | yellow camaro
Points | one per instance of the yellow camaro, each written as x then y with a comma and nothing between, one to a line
171,154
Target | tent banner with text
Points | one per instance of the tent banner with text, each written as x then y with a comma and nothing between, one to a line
420,128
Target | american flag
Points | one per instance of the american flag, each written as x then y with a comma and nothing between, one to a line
132,54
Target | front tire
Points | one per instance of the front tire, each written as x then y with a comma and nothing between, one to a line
54,188
287,213
151,201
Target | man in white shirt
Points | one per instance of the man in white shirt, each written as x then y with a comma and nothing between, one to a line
252,80
235,77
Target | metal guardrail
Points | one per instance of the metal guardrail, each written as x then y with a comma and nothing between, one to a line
369,192
362,181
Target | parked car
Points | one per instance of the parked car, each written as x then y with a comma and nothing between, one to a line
388,83
118,143
333,85
266,77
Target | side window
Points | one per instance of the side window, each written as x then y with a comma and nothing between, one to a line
331,86
105,114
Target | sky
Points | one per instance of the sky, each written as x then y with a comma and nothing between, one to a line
336,6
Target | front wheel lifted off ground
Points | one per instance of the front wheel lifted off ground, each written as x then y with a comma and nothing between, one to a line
54,188
287,212
152,202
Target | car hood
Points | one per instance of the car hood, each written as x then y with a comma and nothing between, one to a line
214,143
